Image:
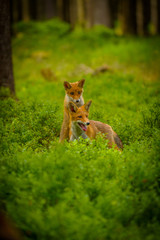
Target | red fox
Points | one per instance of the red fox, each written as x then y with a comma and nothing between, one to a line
80,125
74,92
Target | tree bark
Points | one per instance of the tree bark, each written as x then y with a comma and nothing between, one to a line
132,16
154,16
60,9
49,9
25,10
124,16
139,17
158,6
14,10
102,13
77,12
6,70
32,9
73,13
88,8
40,9
80,11
66,10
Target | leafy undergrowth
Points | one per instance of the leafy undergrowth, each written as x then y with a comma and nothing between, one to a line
81,190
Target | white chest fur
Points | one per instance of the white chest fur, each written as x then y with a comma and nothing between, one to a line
77,132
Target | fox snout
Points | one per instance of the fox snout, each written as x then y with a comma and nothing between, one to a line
86,123
83,125
75,100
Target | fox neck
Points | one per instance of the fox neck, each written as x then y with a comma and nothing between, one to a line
76,130
68,99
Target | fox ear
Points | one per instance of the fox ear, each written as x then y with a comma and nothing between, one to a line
87,105
72,107
81,83
67,85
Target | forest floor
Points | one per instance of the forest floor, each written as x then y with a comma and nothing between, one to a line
82,190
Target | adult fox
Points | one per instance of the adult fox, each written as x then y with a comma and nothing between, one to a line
80,125
74,93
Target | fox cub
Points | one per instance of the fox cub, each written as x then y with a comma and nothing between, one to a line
74,92
80,125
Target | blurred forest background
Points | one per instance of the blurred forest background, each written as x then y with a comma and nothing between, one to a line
140,17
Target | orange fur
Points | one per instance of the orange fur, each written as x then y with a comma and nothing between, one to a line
79,117
74,93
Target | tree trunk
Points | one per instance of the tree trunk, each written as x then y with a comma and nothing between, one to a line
14,10
146,16
60,9
25,10
66,10
73,13
32,9
132,16
158,5
6,71
102,13
139,17
80,11
124,16
50,9
40,9
154,16
88,8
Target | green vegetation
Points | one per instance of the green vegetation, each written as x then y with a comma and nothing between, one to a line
82,190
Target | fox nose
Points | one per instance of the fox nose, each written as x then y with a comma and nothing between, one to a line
77,100
88,123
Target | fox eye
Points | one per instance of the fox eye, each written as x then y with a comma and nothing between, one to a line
79,92
72,93
87,116
79,116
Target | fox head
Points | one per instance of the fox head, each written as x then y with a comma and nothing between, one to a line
74,91
79,116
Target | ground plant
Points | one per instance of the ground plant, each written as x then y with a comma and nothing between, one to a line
81,190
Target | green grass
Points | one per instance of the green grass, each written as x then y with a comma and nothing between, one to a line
82,190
